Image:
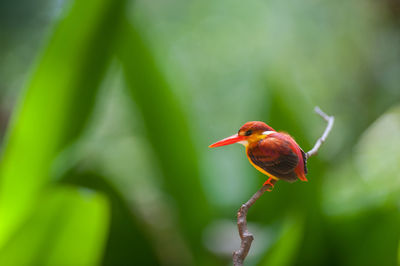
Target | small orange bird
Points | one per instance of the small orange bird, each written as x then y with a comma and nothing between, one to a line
275,154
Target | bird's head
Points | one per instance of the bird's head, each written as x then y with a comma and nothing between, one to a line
250,132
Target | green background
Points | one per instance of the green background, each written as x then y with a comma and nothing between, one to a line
107,108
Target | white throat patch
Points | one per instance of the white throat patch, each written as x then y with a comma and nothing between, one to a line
268,132
243,142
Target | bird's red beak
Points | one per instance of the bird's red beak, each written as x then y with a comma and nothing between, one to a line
227,141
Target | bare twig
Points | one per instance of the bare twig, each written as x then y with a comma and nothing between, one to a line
247,237
330,120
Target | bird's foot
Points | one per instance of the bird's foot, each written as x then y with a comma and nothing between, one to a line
268,182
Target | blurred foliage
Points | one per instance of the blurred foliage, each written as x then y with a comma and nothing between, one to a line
50,235
107,108
285,250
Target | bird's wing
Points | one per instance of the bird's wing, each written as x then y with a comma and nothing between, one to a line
276,156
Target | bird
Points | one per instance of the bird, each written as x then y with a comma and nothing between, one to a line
275,154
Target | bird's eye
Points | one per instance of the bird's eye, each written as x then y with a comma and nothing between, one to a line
248,132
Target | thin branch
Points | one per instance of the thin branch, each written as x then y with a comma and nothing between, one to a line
247,237
330,120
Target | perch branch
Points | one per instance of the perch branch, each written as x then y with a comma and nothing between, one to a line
247,237
330,120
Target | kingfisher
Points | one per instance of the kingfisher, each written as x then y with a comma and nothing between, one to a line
275,154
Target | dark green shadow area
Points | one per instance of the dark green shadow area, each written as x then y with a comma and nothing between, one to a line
127,243
169,135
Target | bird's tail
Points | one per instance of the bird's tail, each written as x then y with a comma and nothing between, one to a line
302,177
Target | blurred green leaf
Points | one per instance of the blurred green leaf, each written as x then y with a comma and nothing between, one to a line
126,232
398,253
169,134
69,227
56,104
363,192
377,156
367,238
286,248
374,170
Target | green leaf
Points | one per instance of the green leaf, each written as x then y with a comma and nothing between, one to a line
362,192
169,135
374,170
126,231
68,228
285,249
398,254
55,106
